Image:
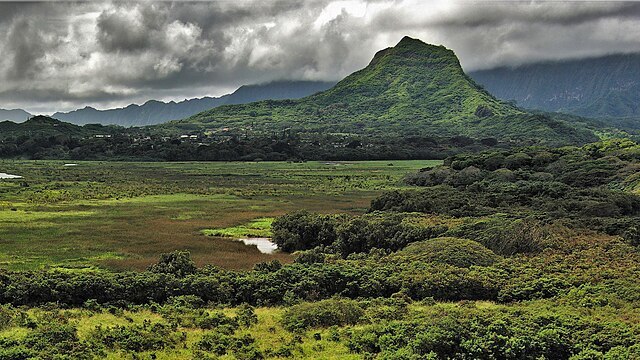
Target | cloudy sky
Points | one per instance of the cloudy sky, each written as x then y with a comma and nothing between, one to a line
63,55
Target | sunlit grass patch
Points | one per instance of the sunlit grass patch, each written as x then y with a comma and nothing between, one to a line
14,333
188,215
88,323
260,227
22,216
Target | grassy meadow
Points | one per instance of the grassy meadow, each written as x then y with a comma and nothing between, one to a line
122,215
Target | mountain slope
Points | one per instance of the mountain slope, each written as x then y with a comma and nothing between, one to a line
277,90
412,88
156,112
44,126
16,115
607,86
150,113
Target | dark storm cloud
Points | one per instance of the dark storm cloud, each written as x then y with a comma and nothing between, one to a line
568,13
123,30
492,33
62,55
26,46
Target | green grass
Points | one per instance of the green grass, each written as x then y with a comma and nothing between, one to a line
260,227
119,215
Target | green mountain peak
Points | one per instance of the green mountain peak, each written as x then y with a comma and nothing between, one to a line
417,49
407,45
42,120
414,80
409,41
412,88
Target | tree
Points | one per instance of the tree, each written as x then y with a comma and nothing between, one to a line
178,263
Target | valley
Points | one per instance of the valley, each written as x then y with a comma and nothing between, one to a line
123,215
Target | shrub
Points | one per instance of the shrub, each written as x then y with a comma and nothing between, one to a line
216,319
302,230
57,340
323,313
186,301
504,236
452,251
177,263
215,342
632,236
6,314
312,256
145,337
246,316
16,353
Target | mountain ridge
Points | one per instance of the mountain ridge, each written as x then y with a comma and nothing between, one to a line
48,127
154,112
599,87
14,115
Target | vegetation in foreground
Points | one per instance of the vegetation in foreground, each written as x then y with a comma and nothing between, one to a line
527,254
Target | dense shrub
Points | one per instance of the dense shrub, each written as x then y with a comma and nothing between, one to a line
177,263
52,339
323,313
145,337
246,315
302,230
8,352
452,251
6,315
469,333
444,200
216,320
505,236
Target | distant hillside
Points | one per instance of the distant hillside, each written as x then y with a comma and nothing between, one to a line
412,88
277,90
604,87
156,112
16,115
44,126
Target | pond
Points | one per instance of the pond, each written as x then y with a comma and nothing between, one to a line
264,245
9,176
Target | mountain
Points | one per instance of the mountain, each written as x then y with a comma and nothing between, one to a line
44,126
277,90
156,112
150,113
603,87
410,89
16,115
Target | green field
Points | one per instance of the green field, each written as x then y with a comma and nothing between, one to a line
122,215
